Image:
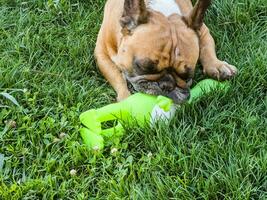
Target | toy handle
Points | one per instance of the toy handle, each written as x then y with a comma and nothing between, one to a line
93,118
206,86
92,139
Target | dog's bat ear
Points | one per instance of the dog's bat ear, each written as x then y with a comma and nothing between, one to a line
134,13
196,16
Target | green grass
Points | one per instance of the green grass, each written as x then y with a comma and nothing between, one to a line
214,149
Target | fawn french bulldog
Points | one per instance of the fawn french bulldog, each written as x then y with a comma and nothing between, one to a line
155,45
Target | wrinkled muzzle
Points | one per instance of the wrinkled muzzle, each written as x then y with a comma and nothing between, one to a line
165,86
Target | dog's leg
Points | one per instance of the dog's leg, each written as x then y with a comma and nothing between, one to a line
212,66
112,74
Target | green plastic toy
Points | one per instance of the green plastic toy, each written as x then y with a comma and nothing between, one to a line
140,108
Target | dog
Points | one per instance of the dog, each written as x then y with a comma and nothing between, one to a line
155,45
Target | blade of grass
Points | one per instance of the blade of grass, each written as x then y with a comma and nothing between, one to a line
10,97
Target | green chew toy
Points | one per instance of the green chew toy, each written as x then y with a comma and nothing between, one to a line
141,108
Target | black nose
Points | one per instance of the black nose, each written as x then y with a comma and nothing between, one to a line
167,83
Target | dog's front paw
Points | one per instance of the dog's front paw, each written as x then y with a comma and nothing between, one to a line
123,95
220,70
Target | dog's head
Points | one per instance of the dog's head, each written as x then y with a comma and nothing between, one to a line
158,54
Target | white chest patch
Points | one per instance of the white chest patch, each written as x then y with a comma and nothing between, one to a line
166,7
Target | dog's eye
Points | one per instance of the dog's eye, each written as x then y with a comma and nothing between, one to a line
145,66
188,73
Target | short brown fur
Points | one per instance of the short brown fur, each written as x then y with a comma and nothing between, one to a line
131,35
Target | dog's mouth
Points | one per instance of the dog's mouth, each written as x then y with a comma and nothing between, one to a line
165,85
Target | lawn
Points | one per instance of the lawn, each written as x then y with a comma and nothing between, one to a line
213,149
